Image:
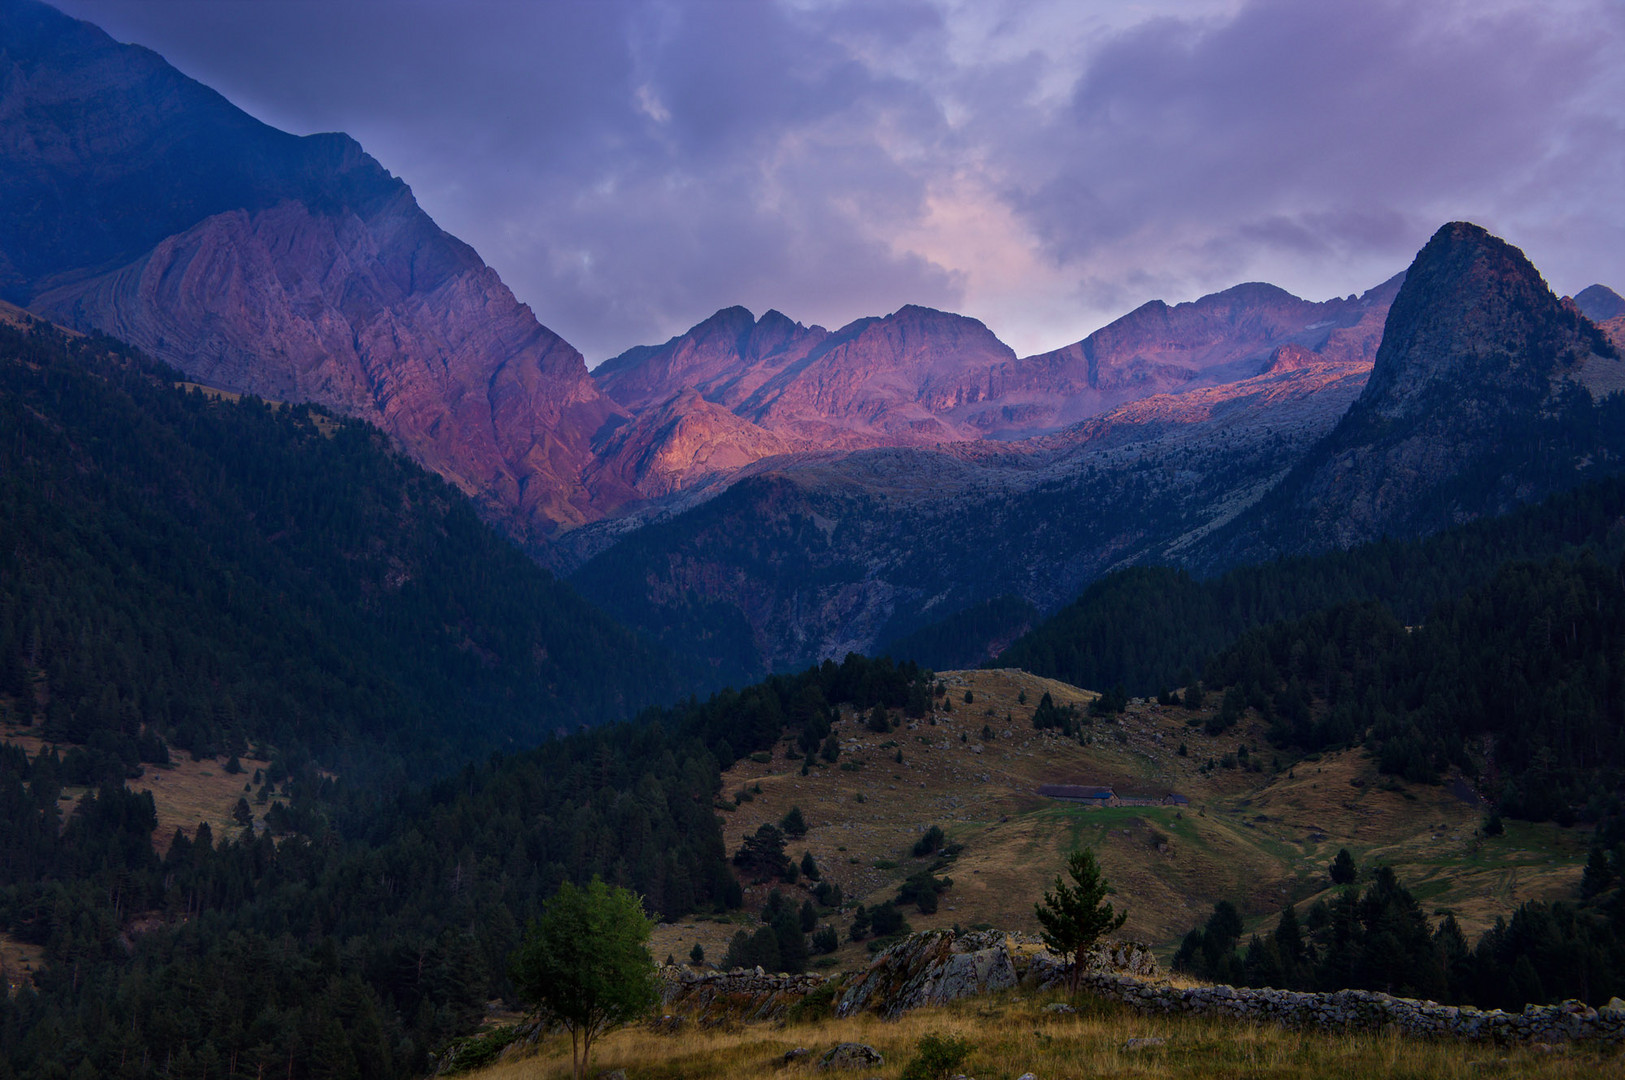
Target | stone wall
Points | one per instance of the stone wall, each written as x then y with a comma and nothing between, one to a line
931,968
1369,1010
939,966
741,994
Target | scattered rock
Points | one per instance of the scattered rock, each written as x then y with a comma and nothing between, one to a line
792,1056
1145,1043
850,1055
1059,1007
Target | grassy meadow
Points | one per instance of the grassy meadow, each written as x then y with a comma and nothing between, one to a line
1012,1034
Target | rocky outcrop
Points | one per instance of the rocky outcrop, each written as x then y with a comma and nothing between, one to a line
851,1055
930,968
933,968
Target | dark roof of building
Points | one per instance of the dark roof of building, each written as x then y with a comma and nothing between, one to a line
1178,799
1075,791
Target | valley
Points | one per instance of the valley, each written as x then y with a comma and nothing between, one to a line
373,669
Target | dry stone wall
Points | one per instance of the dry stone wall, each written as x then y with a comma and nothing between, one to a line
931,968
940,966
1370,1010
741,994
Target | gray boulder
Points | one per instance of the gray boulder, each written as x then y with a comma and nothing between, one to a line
850,1055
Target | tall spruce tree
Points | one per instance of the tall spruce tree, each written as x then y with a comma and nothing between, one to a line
1074,916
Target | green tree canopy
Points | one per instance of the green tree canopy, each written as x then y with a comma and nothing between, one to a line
1074,916
586,963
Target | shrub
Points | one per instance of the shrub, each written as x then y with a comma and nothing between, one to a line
921,889
886,920
826,939
931,841
937,1057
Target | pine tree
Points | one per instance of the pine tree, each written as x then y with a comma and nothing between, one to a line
1074,916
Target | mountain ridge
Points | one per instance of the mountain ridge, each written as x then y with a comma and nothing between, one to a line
291,267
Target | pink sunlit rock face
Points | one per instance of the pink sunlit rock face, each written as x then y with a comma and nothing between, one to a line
921,377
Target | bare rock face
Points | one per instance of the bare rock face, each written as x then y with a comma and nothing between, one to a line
921,378
339,310
681,441
725,359
932,968
293,268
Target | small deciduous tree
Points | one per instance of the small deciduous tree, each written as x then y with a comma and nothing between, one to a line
586,964
1073,917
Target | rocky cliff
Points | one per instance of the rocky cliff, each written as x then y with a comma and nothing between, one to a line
137,202
921,377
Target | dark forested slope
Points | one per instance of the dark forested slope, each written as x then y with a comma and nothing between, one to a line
185,570
1150,628
365,932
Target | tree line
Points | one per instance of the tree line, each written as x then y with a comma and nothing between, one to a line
1379,938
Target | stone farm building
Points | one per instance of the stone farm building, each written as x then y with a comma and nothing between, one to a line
1088,796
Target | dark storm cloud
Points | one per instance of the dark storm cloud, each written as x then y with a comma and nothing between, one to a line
629,166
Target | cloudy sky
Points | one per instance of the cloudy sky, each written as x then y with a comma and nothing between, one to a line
630,166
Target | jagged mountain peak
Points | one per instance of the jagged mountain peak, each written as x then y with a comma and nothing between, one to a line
1473,313
1462,417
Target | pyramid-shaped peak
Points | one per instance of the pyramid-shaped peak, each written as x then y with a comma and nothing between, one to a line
1599,303
1472,313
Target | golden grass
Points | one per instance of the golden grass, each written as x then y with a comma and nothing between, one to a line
18,962
1259,838
324,424
1012,1035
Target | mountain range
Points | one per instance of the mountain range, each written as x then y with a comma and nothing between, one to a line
757,492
